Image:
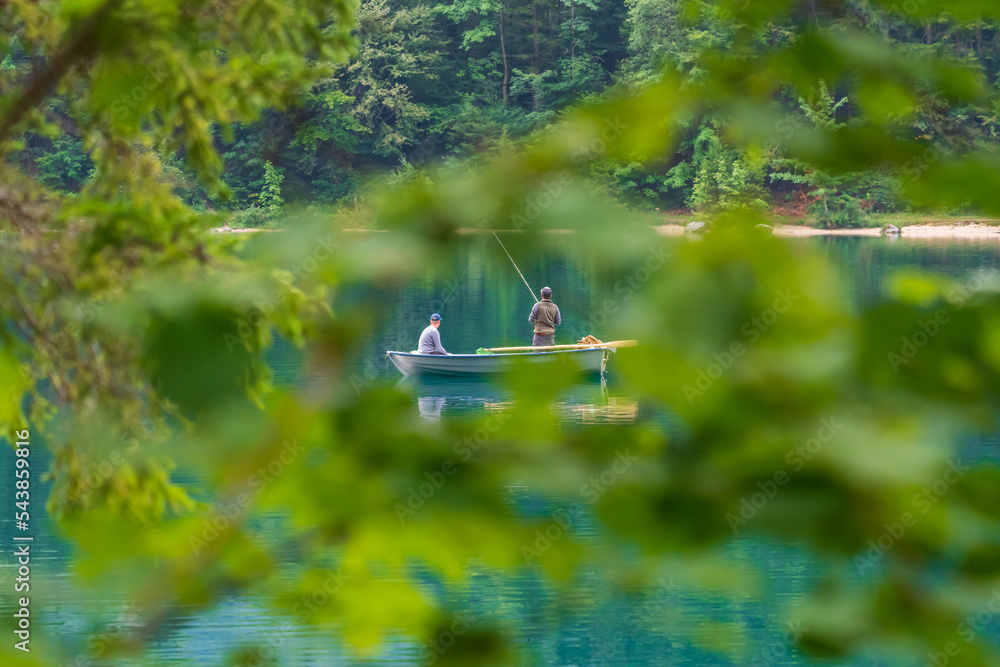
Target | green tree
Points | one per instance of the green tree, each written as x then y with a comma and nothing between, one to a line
271,195
396,46
724,179
135,315
64,166
835,205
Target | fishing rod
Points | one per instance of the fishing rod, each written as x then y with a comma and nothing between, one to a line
515,267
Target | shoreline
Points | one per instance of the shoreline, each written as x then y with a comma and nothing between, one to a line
924,231
920,230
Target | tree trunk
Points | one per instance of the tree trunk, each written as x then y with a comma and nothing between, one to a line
929,35
572,41
535,59
503,53
534,37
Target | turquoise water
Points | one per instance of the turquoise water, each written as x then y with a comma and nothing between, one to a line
593,622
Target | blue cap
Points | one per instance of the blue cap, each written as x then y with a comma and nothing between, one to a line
435,317
546,292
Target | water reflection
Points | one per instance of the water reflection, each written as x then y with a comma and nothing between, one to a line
594,621
430,406
587,402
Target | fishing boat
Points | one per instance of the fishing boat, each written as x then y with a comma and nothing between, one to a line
590,356
585,358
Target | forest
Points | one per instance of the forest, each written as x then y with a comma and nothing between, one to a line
445,84
802,465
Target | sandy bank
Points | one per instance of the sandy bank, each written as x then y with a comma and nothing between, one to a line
966,231
241,230
974,230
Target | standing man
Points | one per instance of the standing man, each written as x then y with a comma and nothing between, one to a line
430,339
545,317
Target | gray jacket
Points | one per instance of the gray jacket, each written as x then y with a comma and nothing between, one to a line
430,341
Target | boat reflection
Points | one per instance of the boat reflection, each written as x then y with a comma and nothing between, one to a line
582,403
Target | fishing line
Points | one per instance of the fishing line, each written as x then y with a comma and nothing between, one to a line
515,267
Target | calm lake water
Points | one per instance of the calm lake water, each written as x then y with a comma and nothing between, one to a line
484,303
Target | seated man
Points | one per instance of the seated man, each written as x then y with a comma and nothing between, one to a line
430,339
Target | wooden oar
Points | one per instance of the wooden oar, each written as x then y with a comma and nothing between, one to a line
546,348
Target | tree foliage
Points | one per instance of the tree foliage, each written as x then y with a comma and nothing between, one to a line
137,338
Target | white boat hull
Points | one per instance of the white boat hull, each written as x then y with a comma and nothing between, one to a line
589,360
